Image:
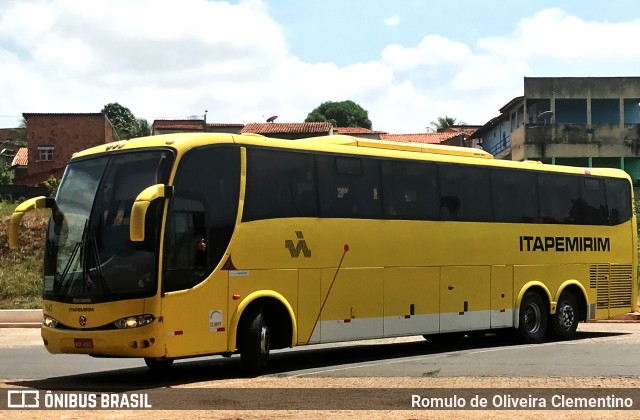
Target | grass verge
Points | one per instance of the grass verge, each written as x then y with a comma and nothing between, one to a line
21,269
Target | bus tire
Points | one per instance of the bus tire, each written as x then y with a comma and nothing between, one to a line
158,365
255,343
533,318
565,321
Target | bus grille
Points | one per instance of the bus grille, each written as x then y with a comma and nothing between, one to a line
614,285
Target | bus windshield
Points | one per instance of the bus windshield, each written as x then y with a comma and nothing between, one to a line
88,255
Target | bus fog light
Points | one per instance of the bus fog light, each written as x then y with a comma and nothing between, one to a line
134,321
49,322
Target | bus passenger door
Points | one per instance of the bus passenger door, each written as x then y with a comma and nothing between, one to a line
352,304
411,301
465,298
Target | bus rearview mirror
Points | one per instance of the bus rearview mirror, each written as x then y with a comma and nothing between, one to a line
140,206
28,205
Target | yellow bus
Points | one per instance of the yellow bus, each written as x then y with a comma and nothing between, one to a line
187,245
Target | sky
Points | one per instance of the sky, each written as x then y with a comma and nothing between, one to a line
407,62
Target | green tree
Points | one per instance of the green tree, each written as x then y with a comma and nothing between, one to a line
144,128
123,120
52,185
5,174
445,122
20,138
340,114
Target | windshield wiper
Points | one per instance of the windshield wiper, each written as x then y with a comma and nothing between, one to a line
98,268
78,247
57,285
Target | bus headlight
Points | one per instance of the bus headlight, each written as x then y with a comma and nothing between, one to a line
134,321
49,322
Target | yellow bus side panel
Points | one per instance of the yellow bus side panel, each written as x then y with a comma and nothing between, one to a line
464,298
501,296
353,308
411,301
308,305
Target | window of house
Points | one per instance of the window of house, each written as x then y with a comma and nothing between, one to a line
45,152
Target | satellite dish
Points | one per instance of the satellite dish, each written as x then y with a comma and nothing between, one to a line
546,115
272,119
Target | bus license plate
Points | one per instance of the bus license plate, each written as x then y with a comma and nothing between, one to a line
83,343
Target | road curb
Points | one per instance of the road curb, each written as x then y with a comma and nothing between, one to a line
20,318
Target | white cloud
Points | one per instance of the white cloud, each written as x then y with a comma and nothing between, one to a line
552,33
433,50
168,59
391,21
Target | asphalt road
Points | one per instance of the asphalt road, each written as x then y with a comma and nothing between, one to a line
599,349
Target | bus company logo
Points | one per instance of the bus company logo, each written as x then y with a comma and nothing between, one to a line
82,320
301,246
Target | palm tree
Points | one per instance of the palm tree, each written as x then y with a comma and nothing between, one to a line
445,122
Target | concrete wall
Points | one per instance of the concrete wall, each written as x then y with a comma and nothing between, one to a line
582,87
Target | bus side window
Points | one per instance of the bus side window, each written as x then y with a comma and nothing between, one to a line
349,187
280,184
515,196
410,190
618,200
593,203
559,198
465,193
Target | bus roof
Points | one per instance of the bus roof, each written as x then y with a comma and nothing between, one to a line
344,144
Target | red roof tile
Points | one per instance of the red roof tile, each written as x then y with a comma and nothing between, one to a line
286,128
21,157
352,130
224,125
428,138
178,125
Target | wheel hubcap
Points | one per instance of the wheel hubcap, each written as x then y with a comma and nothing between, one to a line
532,318
566,316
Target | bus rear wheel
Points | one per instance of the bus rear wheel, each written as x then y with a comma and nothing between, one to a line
533,318
158,365
564,322
255,343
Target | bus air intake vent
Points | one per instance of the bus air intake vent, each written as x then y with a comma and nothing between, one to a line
613,284
620,286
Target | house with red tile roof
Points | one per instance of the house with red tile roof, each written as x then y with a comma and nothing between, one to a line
176,126
192,126
19,163
52,139
290,131
451,137
224,128
10,142
358,132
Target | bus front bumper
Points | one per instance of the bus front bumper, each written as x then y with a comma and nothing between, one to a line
134,342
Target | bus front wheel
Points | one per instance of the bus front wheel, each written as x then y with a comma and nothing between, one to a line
255,343
533,318
565,321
